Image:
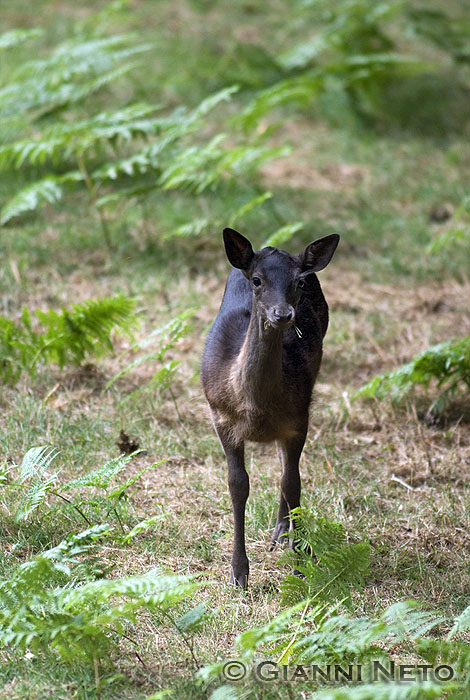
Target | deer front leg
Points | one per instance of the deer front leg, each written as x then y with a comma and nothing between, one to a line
239,486
289,453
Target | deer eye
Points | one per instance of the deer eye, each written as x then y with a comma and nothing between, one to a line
301,284
256,281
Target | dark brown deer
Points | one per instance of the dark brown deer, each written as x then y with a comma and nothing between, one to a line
260,363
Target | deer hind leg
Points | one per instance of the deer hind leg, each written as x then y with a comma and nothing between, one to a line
289,453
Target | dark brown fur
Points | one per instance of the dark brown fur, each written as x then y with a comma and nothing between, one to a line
258,372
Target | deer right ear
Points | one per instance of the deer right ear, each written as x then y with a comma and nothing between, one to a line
238,248
318,254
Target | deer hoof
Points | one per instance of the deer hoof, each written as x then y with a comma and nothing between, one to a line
279,535
239,580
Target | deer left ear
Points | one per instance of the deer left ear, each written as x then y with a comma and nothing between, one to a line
238,248
318,254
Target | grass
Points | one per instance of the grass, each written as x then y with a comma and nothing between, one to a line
384,472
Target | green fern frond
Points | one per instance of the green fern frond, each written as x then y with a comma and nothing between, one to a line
298,91
36,461
46,190
197,168
405,620
69,336
44,606
49,190
122,489
66,76
387,691
248,207
455,653
18,36
165,337
34,466
143,526
336,567
85,329
35,496
62,141
461,623
102,476
448,363
283,235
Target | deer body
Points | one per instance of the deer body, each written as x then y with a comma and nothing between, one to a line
259,369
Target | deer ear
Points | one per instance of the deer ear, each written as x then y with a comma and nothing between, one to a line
318,254
238,248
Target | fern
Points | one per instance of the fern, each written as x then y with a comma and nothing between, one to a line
164,338
312,632
316,634
90,140
17,36
408,622
73,71
85,329
336,567
198,168
353,47
69,337
90,495
386,691
102,476
49,190
448,363
103,154
33,468
44,605
283,235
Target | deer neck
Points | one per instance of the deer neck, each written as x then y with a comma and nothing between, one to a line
258,368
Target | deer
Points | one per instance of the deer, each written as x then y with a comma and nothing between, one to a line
259,366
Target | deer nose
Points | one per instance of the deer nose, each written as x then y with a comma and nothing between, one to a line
283,314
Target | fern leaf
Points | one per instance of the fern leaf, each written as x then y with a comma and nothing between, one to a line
386,691
102,476
73,71
197,169
18,36
249,206
461,623
337,566
117,493
34,497
143,526
193,619
85,329
79,620
299,90
36,461
455,653
283,235
47,190
405,621
165,337
208,104
33,467
448,363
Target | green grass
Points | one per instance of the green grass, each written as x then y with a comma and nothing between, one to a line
389,477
